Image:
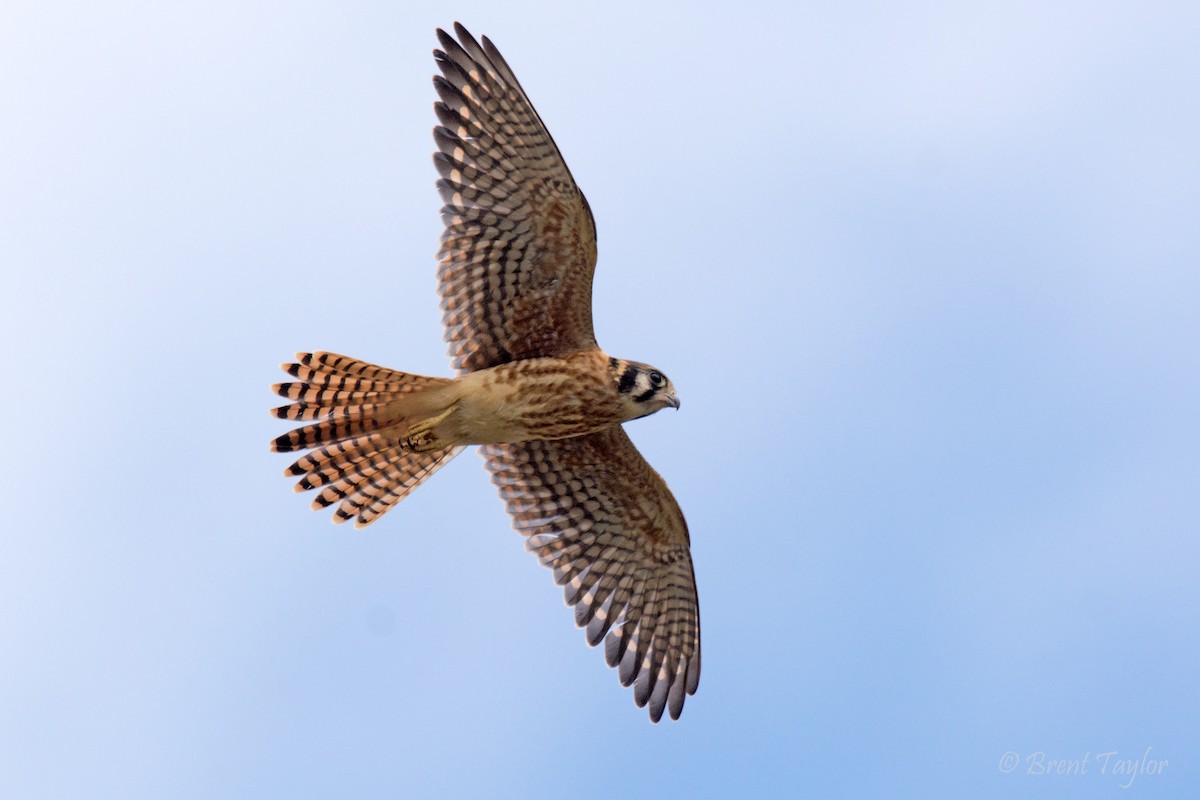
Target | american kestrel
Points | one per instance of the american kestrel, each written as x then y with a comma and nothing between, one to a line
533,388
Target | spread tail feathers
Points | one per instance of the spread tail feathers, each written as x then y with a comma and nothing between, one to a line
362,459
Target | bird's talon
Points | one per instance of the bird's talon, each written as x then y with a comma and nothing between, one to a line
421,438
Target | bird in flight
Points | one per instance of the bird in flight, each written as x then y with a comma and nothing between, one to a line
533,388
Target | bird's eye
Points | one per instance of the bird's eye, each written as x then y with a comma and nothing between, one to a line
657,380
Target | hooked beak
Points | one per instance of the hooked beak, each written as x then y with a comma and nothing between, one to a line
673,401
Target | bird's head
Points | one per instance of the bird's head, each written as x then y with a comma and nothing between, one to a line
642,389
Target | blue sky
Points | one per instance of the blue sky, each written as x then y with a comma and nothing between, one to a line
927,279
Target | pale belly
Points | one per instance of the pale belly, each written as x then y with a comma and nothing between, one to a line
532,400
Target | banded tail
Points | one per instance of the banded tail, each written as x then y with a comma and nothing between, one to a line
364,456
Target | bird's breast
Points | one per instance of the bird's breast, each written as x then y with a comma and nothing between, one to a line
541,398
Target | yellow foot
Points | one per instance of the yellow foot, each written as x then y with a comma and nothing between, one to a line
420,437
